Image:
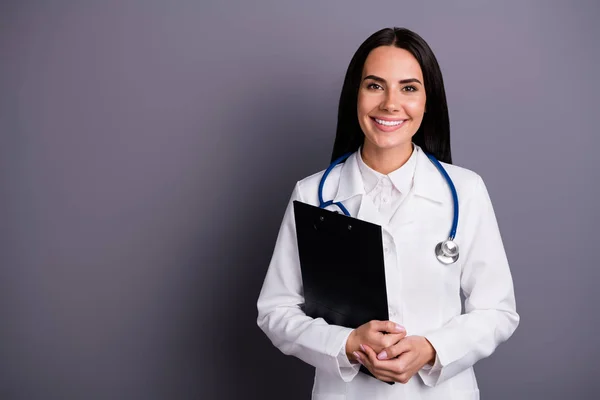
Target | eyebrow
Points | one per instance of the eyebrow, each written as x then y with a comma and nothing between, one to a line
403,81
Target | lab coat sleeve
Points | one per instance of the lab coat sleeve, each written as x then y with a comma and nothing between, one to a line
280,317
490,316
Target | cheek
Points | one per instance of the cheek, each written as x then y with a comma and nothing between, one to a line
416,108
365,104
360,107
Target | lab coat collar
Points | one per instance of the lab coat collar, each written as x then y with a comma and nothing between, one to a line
351,183
428,181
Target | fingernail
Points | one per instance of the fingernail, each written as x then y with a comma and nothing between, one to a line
356,355
362,348
382,355
400,328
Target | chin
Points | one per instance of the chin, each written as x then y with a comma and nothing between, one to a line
389,144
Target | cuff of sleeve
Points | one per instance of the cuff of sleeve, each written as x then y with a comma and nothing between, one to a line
430,374
347,369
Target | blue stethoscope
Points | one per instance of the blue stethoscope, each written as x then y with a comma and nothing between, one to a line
446,251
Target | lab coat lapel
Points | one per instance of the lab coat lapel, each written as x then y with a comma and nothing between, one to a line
351,192
406,213
368,212
426,195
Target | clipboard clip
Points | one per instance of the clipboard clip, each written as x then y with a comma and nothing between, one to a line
322,219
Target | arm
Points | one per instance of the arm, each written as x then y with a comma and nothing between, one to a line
313,341
490,315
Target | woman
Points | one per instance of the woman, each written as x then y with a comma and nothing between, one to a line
392,111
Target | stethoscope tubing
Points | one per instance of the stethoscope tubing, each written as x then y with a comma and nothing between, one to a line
441,169
452,190
322,203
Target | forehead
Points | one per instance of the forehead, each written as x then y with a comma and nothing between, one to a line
391,62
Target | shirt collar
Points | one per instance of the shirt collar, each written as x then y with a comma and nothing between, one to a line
401,178
428,181
369,176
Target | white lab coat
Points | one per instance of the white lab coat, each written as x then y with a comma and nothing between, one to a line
426,300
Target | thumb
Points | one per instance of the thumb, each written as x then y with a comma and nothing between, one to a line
390,327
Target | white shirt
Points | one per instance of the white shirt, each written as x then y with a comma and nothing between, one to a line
387,191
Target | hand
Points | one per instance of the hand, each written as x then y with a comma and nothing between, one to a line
379,335
399,362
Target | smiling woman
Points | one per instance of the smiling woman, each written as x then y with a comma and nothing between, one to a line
393,121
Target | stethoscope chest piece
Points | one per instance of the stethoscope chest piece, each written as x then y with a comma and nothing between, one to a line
447,252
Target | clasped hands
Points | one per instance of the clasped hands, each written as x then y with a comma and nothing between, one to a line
385,350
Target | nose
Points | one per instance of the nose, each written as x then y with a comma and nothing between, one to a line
391,101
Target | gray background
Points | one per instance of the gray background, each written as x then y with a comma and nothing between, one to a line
148,150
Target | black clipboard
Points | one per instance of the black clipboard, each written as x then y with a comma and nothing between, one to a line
341,259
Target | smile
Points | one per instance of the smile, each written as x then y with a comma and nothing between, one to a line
388,125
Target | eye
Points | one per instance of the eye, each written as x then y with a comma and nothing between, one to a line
409,88
374,86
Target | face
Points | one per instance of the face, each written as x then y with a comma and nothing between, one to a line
391,99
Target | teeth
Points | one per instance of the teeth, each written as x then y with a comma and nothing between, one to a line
388,123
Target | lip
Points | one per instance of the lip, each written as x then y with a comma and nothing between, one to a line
385,128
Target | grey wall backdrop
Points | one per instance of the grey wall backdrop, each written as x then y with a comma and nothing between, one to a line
148,150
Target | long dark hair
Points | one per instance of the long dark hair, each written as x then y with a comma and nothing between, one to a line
433,136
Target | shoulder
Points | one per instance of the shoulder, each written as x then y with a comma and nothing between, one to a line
461,174
312,181
307,188
467,182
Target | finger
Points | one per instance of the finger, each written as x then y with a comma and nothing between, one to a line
364,360
380,340
388,327
395,350
369,360
408,359
369,353
390,339
360,356
376,366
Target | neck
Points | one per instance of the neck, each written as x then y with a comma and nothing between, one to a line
385,161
